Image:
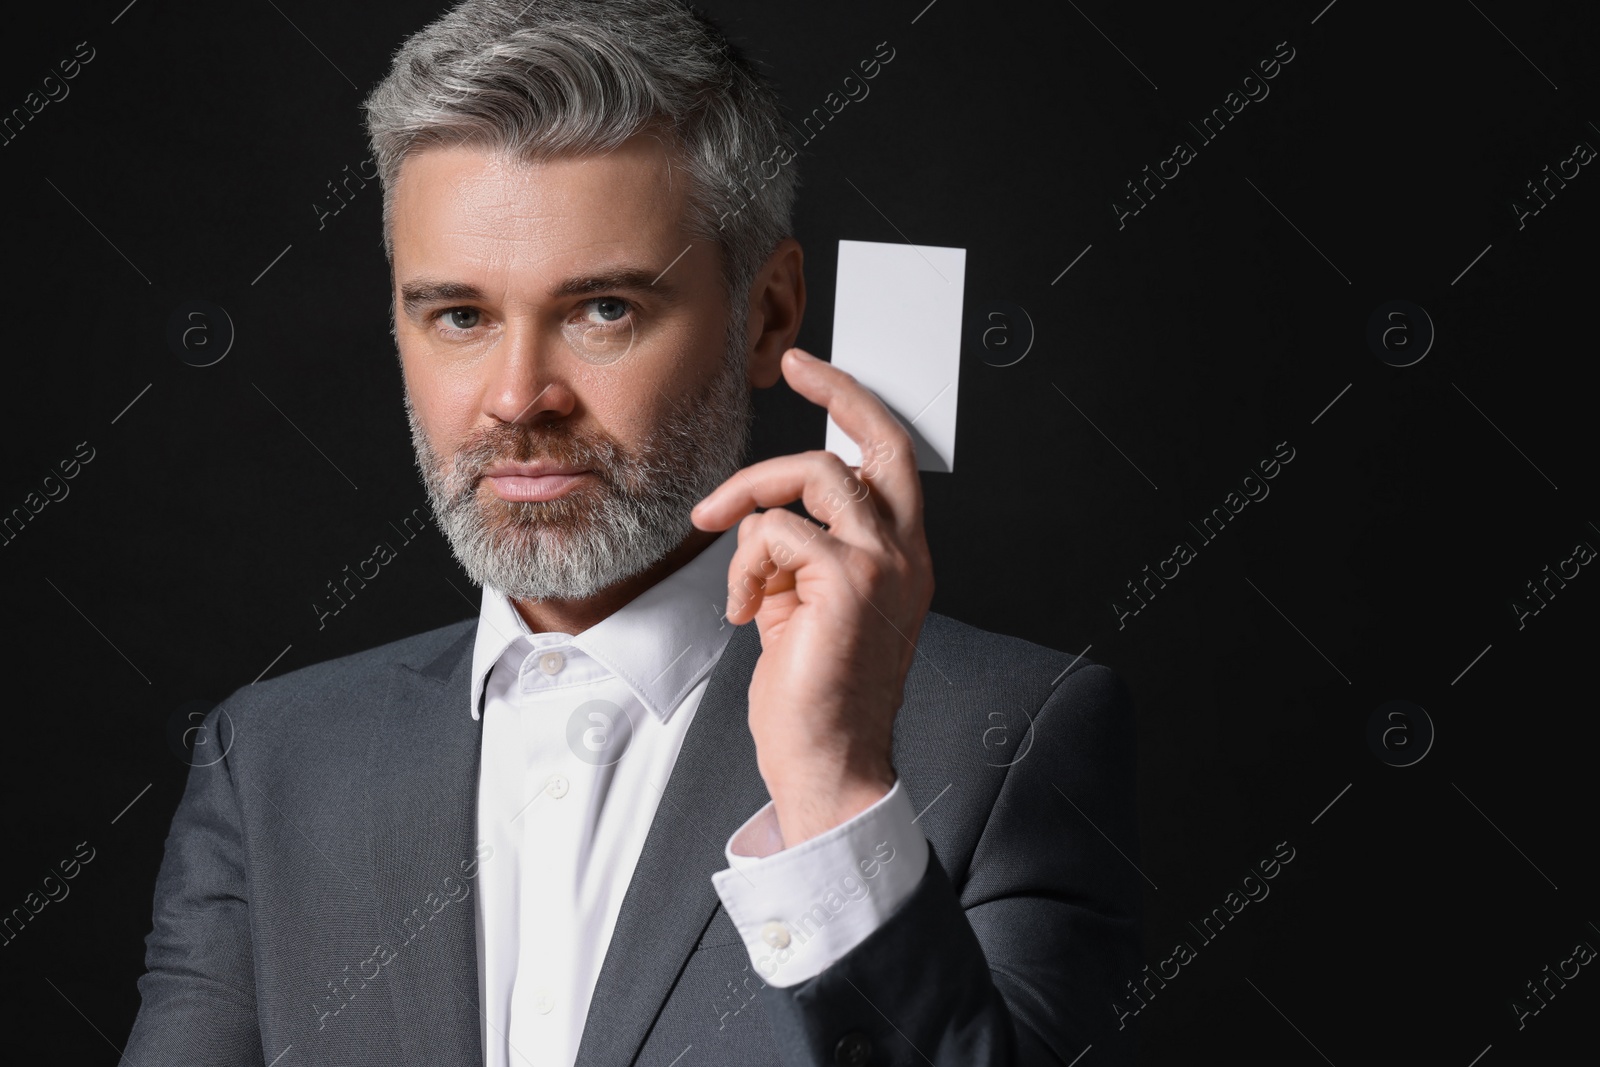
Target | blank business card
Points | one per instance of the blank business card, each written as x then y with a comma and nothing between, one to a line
897,328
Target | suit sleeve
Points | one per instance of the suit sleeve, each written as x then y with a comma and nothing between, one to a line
197,996
1016,961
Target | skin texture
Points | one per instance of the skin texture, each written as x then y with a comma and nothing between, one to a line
839,609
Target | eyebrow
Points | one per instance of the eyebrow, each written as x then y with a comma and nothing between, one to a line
425,292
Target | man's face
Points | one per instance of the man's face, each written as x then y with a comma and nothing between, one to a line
574,380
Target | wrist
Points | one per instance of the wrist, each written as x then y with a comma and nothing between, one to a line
827,777
807,806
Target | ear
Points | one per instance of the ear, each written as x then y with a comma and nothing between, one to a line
777,304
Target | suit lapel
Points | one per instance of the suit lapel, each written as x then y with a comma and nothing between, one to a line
423,775
714,787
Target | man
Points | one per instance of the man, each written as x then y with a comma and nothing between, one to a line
609,821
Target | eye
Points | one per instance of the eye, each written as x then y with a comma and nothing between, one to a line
462,318
604,310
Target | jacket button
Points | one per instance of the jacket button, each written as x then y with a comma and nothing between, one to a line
853,1050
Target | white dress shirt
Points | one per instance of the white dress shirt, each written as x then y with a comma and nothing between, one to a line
580,734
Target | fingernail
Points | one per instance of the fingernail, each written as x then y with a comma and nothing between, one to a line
801,353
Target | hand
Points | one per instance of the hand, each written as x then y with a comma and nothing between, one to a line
838,609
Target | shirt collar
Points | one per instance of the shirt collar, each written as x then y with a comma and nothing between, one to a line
660,644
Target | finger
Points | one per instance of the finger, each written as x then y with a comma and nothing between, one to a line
773,547
831,492
888,457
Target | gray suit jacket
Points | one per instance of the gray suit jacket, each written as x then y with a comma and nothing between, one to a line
314,902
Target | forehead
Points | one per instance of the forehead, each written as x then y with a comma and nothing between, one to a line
463,207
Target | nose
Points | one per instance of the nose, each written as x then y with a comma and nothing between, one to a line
523,379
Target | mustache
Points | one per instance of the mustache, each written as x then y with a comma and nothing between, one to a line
522,444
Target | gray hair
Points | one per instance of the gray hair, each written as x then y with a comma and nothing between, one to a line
541,78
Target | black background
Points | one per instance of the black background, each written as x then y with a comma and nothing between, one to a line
1222,319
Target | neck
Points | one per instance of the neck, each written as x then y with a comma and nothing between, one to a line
575,616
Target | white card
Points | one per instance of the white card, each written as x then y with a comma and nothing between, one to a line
897,328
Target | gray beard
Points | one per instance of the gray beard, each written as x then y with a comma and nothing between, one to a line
602,532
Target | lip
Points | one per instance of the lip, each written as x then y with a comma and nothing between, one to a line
515,482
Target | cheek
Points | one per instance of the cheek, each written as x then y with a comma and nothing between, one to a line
622,403
632,398
446,403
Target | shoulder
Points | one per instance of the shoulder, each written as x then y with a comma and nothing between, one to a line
986,690
960,655
353,679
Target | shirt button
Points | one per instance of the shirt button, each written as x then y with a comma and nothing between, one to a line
552,662
775,934
543,1000
557,786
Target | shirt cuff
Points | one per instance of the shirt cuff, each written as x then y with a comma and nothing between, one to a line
801,909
